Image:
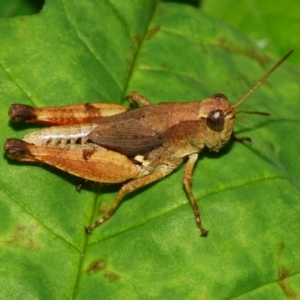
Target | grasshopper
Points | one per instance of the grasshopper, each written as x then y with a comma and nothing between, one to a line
108,143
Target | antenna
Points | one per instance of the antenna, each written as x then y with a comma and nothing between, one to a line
259,83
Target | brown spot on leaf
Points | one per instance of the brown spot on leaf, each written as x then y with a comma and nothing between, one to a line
165,67
96,266
129,65
271,146
151,32
137,39
282,275
111,276
99,265
23,237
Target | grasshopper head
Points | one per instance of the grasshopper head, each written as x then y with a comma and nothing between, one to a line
217,116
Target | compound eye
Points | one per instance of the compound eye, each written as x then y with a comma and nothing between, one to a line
220,97
215,120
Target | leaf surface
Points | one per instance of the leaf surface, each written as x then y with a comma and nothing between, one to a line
249,195
271,27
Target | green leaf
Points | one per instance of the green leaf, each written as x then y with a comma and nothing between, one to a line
249,195
271,27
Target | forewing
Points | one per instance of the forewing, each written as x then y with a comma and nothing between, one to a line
130,136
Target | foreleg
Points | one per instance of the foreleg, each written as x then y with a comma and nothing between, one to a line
187,181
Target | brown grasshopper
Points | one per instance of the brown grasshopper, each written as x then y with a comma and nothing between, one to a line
109,144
